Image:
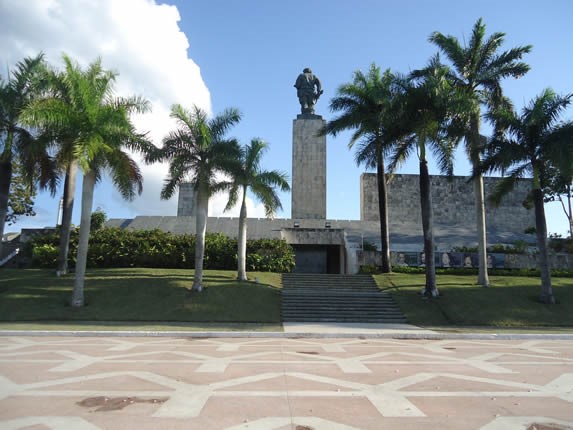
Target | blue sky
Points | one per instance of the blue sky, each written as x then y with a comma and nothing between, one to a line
249,54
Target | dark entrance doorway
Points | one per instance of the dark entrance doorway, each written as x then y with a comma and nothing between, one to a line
317,259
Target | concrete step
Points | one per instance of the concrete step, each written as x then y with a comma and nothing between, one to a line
336,298
348,320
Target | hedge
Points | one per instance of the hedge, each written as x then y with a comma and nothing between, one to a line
115,247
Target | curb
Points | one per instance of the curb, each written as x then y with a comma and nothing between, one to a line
283,335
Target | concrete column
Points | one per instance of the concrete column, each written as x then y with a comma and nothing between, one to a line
308,168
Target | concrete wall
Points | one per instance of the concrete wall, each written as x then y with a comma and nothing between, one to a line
308,168
453,203
186,200
455,259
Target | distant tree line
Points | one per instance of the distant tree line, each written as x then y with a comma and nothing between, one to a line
442,105
54,122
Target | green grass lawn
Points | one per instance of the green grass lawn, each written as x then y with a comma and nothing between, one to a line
158,299
140,295
509,302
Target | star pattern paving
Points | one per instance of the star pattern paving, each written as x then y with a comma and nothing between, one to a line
270,384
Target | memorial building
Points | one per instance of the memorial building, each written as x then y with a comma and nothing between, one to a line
324,245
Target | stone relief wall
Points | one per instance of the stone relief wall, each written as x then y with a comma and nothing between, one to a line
459,259
453,202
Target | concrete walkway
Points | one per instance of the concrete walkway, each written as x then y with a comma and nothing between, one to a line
308,330
354,329
91,383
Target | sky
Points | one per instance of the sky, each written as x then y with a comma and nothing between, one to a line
247,54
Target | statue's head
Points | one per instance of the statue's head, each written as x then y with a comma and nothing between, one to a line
307,70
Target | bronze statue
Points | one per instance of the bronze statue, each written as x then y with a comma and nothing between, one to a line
305,90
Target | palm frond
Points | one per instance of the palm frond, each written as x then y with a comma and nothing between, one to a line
505,186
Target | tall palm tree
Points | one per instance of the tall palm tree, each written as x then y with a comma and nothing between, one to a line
364,106
262,183
425,113
478,69
60,114
94,130
532,143
17,142
197,152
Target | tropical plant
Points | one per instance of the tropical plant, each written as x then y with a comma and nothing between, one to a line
60,114
425,114
94,130
17,142
531,143
560,189
98,219
365,107
198,152
477,70
22,195
248,175
116,247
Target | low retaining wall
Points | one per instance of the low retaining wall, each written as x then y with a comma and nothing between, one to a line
465,259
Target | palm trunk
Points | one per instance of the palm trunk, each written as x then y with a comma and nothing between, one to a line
483,278
242,245
541,230
5,180
88,185
383,209
200,229
570,214
431,289
66,227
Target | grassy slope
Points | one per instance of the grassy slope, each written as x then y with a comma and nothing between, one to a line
155,297
510,301
140,295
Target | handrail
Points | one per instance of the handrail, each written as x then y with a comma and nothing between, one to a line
9,257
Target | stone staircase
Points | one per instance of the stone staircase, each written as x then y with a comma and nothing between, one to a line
336,298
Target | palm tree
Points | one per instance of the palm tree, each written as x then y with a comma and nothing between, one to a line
18,143
60,114
262,183
424,118
532,143
94,129
197,151
365,108
478,69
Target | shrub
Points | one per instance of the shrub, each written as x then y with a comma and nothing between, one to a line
45,255
473,271
559,244
115,247
269,255
368,246
97,219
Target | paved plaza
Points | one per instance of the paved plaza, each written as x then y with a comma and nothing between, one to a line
89,383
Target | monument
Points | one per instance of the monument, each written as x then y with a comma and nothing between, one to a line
325,245
308,152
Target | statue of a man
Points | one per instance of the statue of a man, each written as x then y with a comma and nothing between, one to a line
305,85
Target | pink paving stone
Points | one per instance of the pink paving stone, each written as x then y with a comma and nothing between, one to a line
322,379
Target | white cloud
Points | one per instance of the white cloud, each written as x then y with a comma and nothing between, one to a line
218,202
139,39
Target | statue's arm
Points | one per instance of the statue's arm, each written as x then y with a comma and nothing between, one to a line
318,85
297,82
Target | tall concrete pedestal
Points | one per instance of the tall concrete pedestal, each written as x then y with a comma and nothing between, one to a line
308,168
